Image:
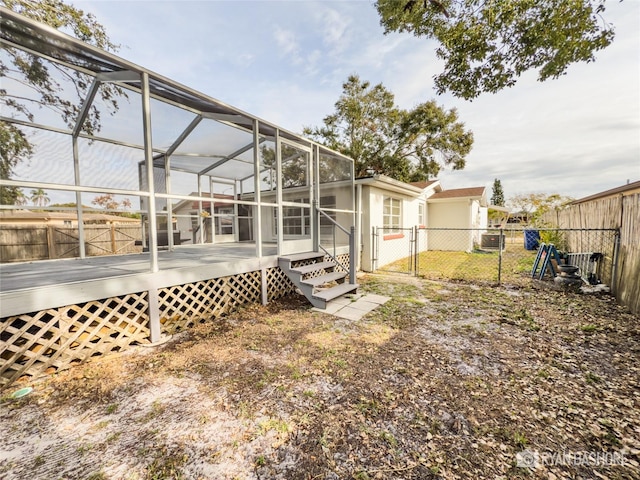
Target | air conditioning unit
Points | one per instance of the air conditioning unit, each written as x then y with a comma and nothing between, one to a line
492,241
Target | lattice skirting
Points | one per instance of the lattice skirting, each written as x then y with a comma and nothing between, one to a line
50,340
182,306
47,341
344,260
278,284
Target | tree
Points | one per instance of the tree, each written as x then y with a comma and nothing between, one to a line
14,147
21,199
39,197
535,205
497,197
408,145
487,45
107,202
294,166
44,81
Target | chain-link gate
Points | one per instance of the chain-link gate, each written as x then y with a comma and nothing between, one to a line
493,256
393,250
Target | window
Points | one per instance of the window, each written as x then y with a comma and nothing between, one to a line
421,221
296,221
224,220
392,214
326,226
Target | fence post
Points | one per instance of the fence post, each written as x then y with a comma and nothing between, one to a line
374,249
113,239
415,251
500,247
614,267
51,244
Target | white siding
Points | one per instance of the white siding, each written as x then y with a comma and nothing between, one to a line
453,214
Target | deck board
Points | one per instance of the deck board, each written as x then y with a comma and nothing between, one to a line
28,275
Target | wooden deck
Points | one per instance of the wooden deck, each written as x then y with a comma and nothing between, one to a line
31,286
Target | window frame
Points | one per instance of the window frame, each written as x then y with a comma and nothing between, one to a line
224,220
391,220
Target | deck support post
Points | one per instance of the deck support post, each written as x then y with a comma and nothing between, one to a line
148,161
257,186
265,286
154,314
279,223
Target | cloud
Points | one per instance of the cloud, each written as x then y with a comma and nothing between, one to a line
286,62
286,41
334,27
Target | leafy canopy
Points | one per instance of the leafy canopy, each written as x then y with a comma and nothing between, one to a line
408,145
487,44
535,205
14,146
44,82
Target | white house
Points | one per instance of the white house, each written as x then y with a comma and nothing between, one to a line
463,208
388,210
192,219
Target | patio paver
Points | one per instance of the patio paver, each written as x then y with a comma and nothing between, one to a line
345,307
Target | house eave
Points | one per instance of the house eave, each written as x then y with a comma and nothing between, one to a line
456,199
387,183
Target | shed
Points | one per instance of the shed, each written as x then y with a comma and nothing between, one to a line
463,208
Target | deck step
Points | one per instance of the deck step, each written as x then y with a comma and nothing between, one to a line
313,267
321,280
335,292
323,273
296,257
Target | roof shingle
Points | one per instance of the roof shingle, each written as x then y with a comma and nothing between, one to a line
459,192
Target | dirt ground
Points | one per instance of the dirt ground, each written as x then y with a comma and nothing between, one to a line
446,380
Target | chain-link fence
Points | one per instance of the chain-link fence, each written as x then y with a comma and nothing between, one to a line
494,256
393,250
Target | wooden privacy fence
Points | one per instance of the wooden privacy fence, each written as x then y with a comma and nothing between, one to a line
22,243
619,212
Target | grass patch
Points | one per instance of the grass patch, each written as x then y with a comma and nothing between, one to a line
275,424
459,265
589,328
477,265
167,465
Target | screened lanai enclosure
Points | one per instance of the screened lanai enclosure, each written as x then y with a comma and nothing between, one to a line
145,206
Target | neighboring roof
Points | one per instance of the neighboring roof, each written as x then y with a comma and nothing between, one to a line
459,193
191,203
23,215
423,185
498,208
628,189
415,188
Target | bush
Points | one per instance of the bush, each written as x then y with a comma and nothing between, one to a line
556,237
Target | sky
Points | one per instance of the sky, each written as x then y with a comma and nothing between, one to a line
286,61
